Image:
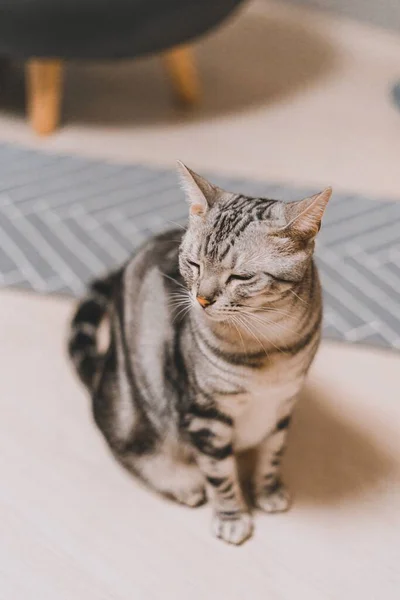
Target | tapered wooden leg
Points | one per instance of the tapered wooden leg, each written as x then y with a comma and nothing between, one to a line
179,63
44,92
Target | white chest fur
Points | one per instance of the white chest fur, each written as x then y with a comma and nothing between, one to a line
257,412
260,396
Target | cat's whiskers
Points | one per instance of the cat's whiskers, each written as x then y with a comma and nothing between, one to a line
181,295
181,313
180,305
298,297
242,322
180,299
267,322
175,297
175,281
254,311
176,223
246,324
261,309
271,310
233,320
185,291
181,302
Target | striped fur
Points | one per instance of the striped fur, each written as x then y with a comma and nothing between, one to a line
183,386
82,346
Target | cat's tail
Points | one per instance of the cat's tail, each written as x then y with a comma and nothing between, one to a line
82,345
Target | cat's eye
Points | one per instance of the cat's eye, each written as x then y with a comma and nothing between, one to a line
239,277
279,279
193,264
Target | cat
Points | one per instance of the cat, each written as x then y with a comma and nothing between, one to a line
212,332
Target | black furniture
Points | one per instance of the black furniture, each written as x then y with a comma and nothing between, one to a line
46,32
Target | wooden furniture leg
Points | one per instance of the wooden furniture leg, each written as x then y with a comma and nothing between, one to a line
179,64
44,91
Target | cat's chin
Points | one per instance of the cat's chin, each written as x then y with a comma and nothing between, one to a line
221,319
215,317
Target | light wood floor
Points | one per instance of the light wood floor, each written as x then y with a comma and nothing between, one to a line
74,526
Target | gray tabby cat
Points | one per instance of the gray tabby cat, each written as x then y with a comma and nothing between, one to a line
212,333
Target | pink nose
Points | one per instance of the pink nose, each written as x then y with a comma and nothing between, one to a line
203,301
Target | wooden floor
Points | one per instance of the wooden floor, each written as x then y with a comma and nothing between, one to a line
75,526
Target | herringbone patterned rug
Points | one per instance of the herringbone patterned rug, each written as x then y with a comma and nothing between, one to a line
64,219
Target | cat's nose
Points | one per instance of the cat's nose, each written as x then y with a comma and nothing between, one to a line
204,302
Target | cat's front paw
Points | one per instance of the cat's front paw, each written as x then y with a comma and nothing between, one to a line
233,527
274,498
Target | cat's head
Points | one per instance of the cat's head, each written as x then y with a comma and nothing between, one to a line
240,252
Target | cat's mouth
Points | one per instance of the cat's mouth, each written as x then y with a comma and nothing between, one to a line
213,313
218,317
221,315
238,313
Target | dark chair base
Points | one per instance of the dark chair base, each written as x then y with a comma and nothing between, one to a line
45,76
47,32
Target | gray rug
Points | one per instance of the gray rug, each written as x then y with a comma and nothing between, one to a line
65,219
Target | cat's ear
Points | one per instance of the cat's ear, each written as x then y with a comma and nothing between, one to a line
303,218
199,192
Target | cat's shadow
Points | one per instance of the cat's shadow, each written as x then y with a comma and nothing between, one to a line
330,459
